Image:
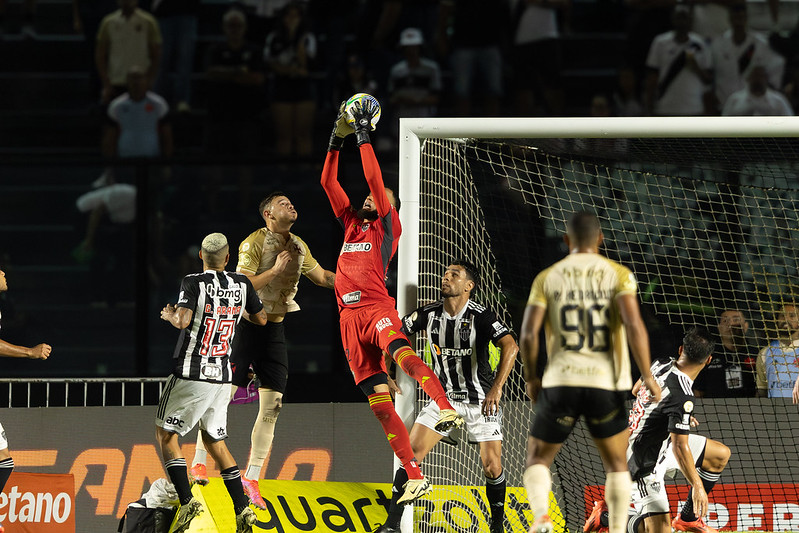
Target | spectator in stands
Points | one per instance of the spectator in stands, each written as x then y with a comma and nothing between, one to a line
737,52
289,53
127,37
626,99
777,367
414,84
137,122
235,75
355,80
86,18
178,21
471,35
757,99
730,374
679,65
537,57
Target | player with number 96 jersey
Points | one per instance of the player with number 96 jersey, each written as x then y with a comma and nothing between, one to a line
586,341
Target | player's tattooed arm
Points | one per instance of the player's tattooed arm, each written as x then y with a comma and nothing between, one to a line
258,318
179,317
322,277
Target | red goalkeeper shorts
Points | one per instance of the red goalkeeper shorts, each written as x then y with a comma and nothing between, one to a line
366,333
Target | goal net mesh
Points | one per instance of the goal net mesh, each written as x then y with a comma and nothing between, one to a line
706,225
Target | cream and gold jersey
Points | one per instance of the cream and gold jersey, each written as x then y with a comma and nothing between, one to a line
586,341
257,253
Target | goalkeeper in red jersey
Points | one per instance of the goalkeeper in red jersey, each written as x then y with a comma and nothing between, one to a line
369,321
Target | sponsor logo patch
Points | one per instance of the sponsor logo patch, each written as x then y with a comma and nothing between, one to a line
356,247
351,297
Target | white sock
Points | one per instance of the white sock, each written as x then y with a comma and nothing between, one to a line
538,482
263,431
200,455
617,495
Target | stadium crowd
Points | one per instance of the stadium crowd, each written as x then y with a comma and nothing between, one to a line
269,65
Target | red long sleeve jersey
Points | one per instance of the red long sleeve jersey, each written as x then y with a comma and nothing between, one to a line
363,261
368,245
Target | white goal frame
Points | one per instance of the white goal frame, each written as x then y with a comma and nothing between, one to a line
414,131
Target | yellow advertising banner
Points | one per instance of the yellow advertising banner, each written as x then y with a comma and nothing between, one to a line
323,506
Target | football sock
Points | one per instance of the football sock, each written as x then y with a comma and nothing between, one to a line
232,478
415,368
176,469
6,466
495,492
200,454
538,482
395,510
709,480
395,430
263,431
617,495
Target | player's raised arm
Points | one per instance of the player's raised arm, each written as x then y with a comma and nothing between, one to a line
339,200
638,339
364,112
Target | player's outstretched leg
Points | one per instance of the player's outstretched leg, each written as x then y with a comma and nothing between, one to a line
263,433
407,359
383,408
175,465
714,461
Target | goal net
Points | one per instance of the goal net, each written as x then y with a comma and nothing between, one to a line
703,210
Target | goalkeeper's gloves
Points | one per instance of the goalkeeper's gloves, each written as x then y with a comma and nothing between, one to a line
363,112
340,130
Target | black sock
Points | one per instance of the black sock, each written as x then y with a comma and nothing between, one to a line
6,466
232,478
176,469
709,480
495,492
395,510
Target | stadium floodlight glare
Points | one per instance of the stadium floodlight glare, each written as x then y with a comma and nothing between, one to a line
703,210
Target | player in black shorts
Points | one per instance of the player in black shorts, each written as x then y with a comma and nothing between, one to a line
589,306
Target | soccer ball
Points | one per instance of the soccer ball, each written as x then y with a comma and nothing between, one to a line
361,97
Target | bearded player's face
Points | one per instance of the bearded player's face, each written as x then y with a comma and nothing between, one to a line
454,282
368,210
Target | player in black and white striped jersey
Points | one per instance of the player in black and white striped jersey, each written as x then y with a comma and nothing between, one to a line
209,307
459,331
660,442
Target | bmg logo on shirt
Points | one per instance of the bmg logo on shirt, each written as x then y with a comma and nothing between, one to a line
232,294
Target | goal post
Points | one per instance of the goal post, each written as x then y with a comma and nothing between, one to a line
704,210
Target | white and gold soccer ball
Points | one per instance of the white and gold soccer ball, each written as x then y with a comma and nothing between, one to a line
363,98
